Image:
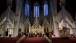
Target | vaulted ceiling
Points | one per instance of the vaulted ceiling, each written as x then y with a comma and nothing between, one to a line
70,6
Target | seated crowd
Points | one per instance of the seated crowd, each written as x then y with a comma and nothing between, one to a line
29,34
20,34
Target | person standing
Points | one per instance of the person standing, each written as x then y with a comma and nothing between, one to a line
6,33
19,33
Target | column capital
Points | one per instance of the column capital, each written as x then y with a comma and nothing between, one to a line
62,3
9,2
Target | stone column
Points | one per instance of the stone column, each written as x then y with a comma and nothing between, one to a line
17,18
75,26
50,27
9,3
62,3
75,20
54,15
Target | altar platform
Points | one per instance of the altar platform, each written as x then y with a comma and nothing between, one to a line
36,40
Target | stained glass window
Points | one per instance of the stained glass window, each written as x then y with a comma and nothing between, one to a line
27,8
45,8
36,10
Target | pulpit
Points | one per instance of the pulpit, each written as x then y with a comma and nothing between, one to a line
65,32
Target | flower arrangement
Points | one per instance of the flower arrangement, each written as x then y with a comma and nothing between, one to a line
20,39
47,39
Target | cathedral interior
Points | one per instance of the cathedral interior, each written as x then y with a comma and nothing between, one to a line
37,17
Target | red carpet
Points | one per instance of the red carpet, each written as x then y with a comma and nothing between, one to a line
36,40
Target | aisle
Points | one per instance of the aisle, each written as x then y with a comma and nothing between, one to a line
36,40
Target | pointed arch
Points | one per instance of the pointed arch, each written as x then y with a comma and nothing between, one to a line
45,22
26,25
46,25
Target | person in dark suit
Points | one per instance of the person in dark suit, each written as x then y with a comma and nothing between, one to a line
19,33
26,34
6,32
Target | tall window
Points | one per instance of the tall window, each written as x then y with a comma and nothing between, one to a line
36,10
27,8
45,8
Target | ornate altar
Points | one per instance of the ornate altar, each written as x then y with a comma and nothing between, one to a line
36,28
